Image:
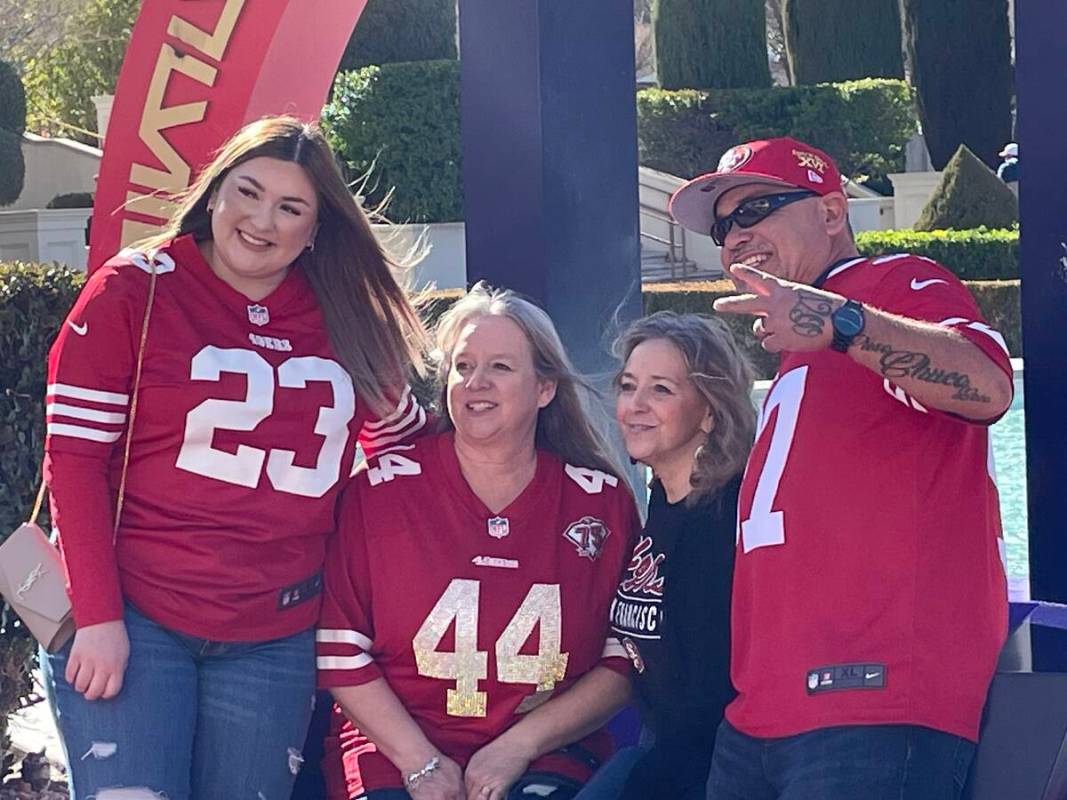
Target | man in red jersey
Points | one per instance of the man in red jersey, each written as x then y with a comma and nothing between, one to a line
869,594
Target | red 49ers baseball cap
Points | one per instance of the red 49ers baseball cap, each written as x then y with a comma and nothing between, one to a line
782,163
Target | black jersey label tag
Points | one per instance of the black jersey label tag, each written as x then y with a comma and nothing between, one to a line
835,677
297,593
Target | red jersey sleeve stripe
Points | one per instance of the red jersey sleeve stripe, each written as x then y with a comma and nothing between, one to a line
71,392
981,327
343,636
414,422
80,432
613,649
344,663
87,414
398,412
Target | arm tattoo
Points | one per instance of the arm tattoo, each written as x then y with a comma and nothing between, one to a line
896,364
810,313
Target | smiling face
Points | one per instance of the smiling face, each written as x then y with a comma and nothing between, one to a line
796,242
663,418
264,213
494,392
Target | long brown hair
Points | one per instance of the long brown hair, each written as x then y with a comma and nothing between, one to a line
375,332
565,425
721,375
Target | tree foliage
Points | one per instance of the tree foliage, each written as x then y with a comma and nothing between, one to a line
711,44
62,79
840,40
391,31
958,56
12,124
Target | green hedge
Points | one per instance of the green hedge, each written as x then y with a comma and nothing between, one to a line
399,123
402,120
977,254
34,298
864,125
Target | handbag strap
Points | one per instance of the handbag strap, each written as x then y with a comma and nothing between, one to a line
133,413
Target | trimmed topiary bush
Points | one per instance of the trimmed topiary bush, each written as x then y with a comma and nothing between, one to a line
704,44
12,167
399,123
968,195
976,255
12,100
391,31
71,200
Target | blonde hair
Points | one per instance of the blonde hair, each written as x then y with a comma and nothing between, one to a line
564,426
720,372
374,330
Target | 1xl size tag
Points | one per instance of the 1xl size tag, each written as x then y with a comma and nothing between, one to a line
835,677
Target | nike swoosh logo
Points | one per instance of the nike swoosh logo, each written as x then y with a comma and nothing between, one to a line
870,676
81,330
917,284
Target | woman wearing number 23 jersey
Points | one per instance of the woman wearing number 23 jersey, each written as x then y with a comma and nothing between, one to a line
254,391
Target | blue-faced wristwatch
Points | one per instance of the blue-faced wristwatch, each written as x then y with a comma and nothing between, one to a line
848,322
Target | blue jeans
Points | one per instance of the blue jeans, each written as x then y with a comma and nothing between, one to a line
195,718
857,762
530,785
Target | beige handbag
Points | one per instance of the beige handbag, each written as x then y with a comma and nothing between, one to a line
32,578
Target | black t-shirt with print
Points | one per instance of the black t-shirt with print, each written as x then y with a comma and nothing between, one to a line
672,614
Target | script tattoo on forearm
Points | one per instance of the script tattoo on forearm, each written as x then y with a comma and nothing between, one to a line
897,364
810,313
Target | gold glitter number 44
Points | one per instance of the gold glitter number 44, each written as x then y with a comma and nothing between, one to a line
466,665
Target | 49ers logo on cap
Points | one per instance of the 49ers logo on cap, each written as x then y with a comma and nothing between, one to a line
734,157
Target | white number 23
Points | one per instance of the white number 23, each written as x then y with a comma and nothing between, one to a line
244,466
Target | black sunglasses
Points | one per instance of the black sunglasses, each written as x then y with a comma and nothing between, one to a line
753,211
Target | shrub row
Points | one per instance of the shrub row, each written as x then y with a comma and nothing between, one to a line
401,122
976,254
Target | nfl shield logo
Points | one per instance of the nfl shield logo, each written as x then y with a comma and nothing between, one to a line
498,527
258,315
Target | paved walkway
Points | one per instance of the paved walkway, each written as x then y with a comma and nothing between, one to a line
33,730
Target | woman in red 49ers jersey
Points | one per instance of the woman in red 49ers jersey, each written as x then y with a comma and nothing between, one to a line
464,630
277,340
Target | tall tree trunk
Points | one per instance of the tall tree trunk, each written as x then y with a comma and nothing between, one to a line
840,40
958,57
711,44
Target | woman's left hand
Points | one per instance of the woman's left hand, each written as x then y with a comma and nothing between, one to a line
493,769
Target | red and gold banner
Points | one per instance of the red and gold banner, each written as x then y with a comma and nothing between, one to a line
195,71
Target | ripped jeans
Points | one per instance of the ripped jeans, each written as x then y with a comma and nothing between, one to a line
195,718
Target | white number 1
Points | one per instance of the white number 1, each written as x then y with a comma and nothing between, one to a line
765,527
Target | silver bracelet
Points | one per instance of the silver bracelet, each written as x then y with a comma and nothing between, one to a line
412,779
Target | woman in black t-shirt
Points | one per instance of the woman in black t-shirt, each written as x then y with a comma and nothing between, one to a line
685,410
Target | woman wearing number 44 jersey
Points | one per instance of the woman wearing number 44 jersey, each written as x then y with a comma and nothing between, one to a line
277,339
464,630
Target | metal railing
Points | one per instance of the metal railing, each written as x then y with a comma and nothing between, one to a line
676,262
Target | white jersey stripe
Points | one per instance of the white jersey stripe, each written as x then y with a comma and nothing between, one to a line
87,414
92,395
398,412
373,436
399,436
342,636
344,662
981,327
613,648
78,432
